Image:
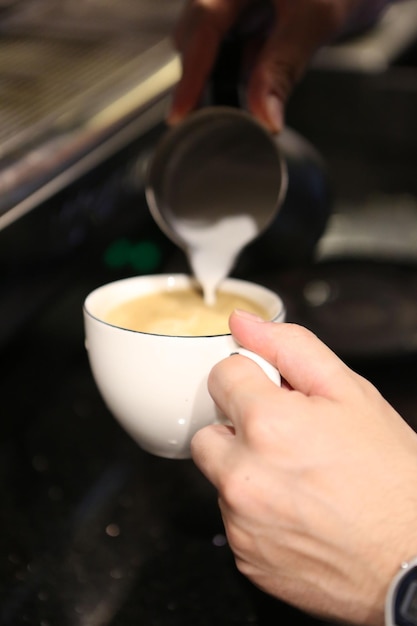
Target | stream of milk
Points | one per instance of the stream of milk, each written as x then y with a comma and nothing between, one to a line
213,248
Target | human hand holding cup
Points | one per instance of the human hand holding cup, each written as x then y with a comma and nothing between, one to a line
155,382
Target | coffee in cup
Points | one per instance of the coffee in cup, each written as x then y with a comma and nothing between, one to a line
155,385
181,312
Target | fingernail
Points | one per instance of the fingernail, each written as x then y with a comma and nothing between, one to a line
251,317
275,112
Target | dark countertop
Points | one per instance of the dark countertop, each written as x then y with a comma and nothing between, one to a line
84,511
94,530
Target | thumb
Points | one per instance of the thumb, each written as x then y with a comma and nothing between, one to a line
303,361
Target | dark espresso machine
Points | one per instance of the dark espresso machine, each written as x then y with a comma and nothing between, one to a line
95,531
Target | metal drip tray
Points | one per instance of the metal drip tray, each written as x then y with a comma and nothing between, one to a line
71,75
41,79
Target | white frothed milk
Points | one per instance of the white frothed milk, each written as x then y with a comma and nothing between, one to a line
215,182
213,248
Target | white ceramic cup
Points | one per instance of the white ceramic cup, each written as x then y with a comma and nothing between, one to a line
156,385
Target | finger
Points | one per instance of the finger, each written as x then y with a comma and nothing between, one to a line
304,361
197,62
210,448
299,29
243,392
198,36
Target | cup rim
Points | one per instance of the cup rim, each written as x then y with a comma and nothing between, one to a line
174,280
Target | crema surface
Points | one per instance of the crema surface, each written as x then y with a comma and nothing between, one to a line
180,312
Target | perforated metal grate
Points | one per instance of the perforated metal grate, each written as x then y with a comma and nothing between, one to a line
52,53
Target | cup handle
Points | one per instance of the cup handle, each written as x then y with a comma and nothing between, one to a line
269,369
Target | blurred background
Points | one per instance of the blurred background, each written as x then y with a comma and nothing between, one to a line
93,530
